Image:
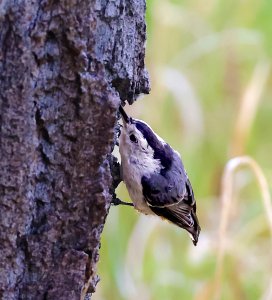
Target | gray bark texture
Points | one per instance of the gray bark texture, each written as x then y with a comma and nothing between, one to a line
64,68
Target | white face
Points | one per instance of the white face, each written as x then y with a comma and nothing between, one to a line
133,144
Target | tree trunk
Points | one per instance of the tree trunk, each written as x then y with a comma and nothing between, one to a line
64,66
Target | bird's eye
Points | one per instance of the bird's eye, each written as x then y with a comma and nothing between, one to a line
133,138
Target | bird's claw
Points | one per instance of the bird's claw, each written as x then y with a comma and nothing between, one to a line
117,201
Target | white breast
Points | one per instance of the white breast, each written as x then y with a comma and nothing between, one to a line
133,183
133,168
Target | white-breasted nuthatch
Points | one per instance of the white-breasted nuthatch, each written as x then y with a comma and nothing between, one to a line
155,176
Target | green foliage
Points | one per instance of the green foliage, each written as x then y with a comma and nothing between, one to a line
202,57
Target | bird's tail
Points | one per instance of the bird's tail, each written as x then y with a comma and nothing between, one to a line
194,230
182,215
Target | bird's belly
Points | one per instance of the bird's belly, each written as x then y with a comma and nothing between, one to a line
136,194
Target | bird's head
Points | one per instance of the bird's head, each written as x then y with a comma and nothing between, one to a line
138,141
133,142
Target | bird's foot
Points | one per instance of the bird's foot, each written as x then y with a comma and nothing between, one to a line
117,201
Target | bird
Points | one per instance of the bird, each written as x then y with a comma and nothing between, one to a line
155,177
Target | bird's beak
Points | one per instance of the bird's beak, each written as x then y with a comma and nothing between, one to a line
125,117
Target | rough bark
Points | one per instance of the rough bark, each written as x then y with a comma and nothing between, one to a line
64,66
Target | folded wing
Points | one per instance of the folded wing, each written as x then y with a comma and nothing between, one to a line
170,196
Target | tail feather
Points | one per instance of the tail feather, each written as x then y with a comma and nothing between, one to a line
182,215
194,231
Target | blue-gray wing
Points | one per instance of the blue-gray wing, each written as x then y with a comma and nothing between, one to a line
167,187
170,195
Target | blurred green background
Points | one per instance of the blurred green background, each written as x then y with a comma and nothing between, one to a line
209,64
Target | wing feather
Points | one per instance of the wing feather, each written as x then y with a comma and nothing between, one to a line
170,196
